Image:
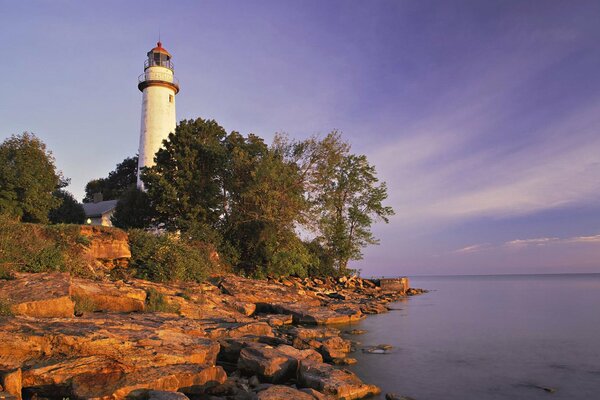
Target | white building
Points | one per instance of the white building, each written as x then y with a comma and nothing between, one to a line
99,212
159,87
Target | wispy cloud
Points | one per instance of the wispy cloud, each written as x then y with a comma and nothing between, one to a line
472,249
532,242
527,243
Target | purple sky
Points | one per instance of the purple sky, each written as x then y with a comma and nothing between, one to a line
482,116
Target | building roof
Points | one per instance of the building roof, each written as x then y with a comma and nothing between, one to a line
93,210
160,49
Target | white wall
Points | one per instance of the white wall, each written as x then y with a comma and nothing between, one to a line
158,116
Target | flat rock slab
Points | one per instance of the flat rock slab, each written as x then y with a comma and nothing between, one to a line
264,293
108,296
319,315
42,295
185,378
132,339
340,383
278,392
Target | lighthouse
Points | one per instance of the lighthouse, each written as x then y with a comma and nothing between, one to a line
159,87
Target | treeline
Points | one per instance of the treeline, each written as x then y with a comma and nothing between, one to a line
290,207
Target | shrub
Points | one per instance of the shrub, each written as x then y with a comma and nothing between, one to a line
156,302
5,309
166,258
28,247
84,304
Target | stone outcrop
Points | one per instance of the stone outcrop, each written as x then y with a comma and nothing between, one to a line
268,363
278,392
108,296
106,243
340,383
186,378
113,348
39,295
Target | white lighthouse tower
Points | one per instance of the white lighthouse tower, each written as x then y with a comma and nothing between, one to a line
159,87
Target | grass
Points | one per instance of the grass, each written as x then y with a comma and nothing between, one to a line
5,308
84,304
156,302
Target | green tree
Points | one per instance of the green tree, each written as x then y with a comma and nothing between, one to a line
116,184
349,200
344,196
28,177
265,204
233,191
133,210
186,184
70,211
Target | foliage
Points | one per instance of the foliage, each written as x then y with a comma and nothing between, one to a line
166,258
5,308
233,191
185,185
116,184
344,197
249,199
348,202
133,210
70,211
156,302
28,177
84,304
39,248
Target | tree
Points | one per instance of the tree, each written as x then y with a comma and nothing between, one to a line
233,191
133,210
116,184
348,201
344,198
70,211
186,184
28,177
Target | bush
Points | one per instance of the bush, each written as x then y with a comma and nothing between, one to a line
166,258
39,248
156,302
84,304
5,309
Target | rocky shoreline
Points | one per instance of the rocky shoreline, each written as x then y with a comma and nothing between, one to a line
228,338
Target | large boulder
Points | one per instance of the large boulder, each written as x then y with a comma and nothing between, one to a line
340,383
185,378
278,392
11,382
299,355
268,363
107,296
335,347
42,295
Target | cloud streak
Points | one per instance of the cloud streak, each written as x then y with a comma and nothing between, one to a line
528,243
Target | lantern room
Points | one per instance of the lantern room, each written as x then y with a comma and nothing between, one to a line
159,57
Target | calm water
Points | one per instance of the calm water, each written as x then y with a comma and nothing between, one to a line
489,337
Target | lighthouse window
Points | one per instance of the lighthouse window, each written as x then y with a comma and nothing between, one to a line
170,98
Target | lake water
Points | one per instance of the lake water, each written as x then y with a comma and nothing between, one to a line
489,337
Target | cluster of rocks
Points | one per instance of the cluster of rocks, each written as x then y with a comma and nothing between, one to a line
230,338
